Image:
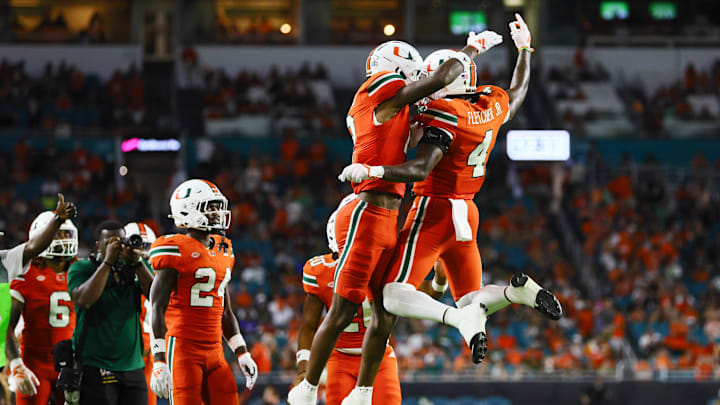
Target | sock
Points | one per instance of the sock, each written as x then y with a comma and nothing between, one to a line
492,296
404,300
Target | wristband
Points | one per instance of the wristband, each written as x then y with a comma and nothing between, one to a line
302,355
157,346
15,362
527,48
441,288
236,341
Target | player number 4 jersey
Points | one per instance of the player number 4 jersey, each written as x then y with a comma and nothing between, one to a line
376,143
318,275
473,128
196,305
48,311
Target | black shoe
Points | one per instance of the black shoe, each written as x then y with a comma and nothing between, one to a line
478,346
545,301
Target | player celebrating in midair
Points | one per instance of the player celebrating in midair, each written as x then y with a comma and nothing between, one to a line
344,362
190,304
378,122
41,296
450,168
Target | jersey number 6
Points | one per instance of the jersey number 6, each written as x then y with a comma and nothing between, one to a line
200,291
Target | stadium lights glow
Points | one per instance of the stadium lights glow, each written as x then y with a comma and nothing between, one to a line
150,145
546,145
389,30
286,28
123,170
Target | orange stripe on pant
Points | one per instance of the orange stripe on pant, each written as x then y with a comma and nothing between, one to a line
429,234
366,237
200,373
342,372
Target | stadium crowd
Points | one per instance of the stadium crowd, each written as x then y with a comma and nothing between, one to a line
653,292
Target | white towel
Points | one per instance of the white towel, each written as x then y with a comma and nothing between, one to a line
463,232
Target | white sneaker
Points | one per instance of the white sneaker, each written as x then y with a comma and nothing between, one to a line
524,290
303,394
359,396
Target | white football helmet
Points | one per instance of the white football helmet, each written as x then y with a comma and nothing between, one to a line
466,83
145,232
398,57
330,229
65,243
189,206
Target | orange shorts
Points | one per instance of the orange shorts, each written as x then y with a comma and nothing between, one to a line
152,398
366,236
429,235
44,371
342,372
199,373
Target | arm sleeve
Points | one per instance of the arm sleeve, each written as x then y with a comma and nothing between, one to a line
384,86
164,254
309,279
79,273
18,291
12,260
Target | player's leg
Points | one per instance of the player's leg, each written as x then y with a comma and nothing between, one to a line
186,371
219,380
133,388
358,258
341,376
386,389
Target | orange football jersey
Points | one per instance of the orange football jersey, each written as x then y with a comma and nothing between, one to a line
48,311
318,275
474,128
196,304
374,143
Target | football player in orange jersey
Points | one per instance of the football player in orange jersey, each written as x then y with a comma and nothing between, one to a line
190,304
378,122
147,237
41,297
344,362
450,168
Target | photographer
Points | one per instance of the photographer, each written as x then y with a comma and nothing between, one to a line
107,340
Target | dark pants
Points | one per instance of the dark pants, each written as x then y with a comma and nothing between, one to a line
104,387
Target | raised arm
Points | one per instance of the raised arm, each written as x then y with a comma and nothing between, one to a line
311,313
86,294
448,71
35,246
521,75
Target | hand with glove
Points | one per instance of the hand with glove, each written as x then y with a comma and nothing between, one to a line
249,368
27,382
520,33
358,172
484,40
160,382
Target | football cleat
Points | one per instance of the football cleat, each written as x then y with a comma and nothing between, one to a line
527,292
478,346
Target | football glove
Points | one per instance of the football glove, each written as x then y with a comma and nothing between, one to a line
25,379
160,379
484,40
249,368
357,172
520,33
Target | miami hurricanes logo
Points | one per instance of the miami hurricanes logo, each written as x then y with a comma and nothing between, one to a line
187,194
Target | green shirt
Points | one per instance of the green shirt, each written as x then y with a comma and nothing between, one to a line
113,337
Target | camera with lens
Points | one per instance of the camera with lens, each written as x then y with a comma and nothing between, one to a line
70,377
133,241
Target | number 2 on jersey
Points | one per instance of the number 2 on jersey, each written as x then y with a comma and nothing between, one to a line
206,287
478,156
